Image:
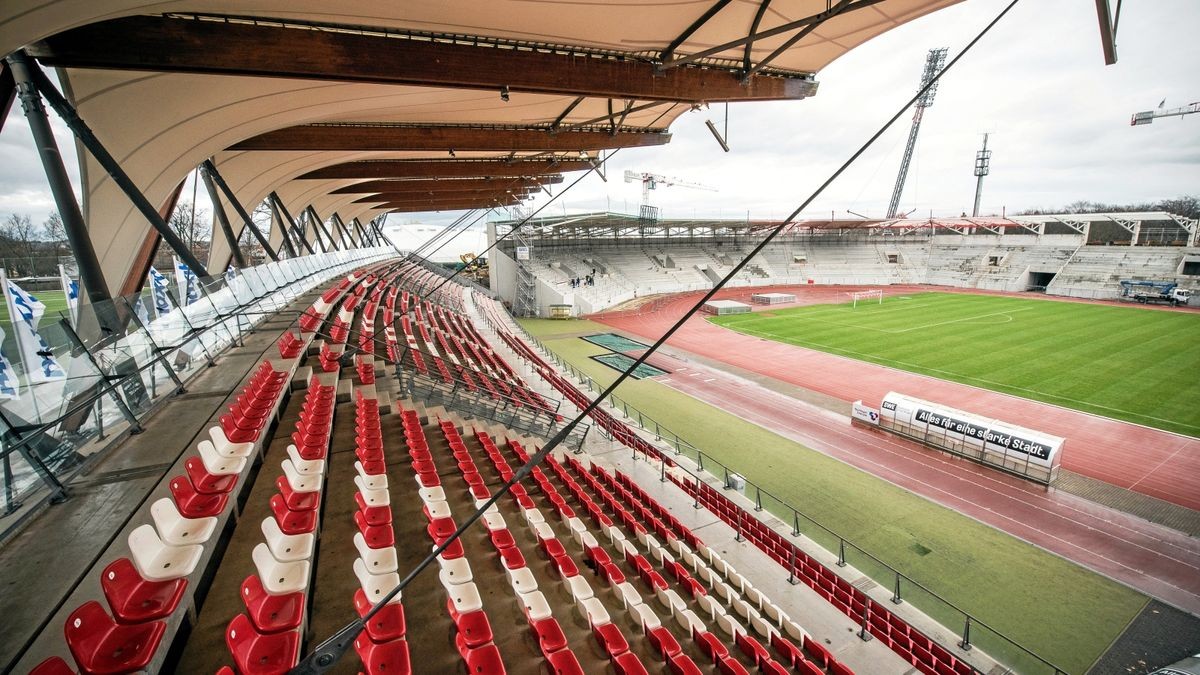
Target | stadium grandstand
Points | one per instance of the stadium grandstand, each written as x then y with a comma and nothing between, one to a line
301,448
1079,255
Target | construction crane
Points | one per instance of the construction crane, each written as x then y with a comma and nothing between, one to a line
652,181
934,61
1149,116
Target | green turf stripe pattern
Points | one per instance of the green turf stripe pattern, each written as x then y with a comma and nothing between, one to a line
1128,363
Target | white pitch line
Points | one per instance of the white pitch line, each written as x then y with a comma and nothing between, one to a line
966,318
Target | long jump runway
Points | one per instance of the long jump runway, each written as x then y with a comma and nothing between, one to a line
1156,560
1153,462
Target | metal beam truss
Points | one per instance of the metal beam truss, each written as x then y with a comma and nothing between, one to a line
254,46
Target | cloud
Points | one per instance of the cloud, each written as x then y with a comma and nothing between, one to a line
1058,119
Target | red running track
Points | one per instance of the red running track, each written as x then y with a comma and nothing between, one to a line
1156,560
1157,463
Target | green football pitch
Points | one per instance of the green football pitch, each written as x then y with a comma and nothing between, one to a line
1129,363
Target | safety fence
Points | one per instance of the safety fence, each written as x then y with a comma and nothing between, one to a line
72,385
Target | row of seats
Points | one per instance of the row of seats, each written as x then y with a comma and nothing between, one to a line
733,596
495,375
926,655
266,638
147,587
547,631
474,637
290,345
672,600
660,636
382,647
922,652
314,315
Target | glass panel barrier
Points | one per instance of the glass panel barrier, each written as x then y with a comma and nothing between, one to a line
69,387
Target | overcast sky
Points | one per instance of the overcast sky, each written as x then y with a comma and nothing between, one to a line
1058,118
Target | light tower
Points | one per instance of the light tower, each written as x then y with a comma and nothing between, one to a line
983,163
933,65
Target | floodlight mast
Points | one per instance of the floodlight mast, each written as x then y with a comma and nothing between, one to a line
983,165
934,60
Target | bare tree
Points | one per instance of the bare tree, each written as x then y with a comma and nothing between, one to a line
20,241
55,231
193,227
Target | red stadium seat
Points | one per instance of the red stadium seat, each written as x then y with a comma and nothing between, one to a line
682,664
711,645
474,629
101,645
271,613
387,658
549,635
296,500
610,639
629,664
376,536
485,661
292,522
731,666
193,504
787,649
772,667
54,665
259,654
563,662
664,642
206,482
752,648
137,600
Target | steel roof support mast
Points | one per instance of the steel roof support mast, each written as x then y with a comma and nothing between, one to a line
933,65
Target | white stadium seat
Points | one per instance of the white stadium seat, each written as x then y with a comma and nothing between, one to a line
287,547
377,560
279,577
176,530
159,561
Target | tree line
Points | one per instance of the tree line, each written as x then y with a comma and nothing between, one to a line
1187,206
29,249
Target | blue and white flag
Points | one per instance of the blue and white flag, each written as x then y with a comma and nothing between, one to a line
233,280
26,312
158,288
71,292
10,386
139,308
185,282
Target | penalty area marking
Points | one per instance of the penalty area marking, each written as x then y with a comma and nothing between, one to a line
898,331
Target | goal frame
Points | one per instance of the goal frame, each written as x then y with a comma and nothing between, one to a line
855,296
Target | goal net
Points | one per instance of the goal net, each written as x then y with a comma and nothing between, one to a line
856,297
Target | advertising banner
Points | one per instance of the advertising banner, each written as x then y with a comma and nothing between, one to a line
864,413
